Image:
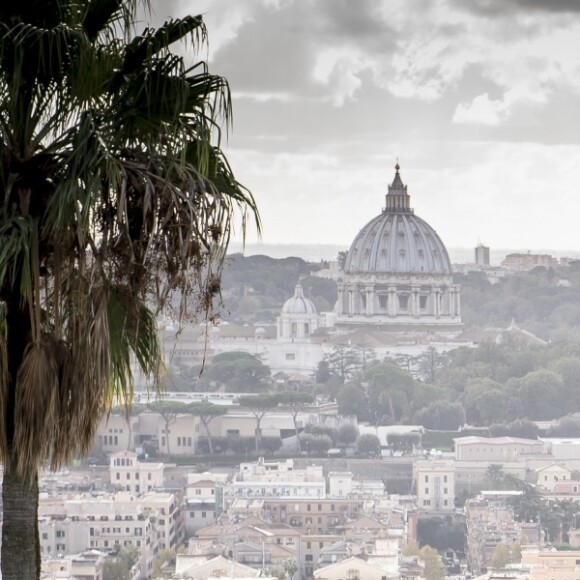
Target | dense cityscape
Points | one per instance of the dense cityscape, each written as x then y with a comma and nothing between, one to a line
179,403
384,438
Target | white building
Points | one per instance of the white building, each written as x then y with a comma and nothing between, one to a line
274,480
550,475
496,449
129,474
435,481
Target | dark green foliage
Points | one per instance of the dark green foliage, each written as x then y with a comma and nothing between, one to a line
256,287
236,372
331,432
442,533
315,444
368,444
241,445
404,442
534,299
524,429
347,434
566,427
219,445
441,415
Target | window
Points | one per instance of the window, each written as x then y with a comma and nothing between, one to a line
445,491
319,507
290,356
426,491
308,545
403,302
426,479
444,479
308,558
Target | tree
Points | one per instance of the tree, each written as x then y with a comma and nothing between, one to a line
290,567
404,442
169,410
295,401
352,401
115,195
434,569
495,475
347,434
207,412
119,566
441,415
390,390
500,556
368,444
238,372
259,405
343,361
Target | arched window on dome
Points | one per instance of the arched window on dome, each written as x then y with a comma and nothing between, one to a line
306,329
403,302
294,330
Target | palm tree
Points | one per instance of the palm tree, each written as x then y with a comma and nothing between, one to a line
115,196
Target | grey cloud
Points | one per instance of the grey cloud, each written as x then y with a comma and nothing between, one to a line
499,8
286,41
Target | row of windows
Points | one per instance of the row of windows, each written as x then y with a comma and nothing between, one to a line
427,502
445,491
136,531
184,442
427,479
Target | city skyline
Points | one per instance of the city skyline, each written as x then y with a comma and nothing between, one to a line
477,101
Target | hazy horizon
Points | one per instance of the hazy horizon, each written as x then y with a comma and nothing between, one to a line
317,252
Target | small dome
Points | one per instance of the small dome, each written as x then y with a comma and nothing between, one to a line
298,304
397,241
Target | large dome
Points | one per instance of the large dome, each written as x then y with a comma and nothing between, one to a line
397,241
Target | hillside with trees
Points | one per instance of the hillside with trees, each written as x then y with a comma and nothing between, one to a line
543,301
500,386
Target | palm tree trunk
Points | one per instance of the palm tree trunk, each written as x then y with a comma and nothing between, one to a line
20,538
20,554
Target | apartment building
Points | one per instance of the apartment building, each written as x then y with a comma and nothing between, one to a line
129,474
435,484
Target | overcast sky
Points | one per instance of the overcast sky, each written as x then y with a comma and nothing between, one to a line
478,99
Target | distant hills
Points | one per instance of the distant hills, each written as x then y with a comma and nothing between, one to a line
318,252
545,302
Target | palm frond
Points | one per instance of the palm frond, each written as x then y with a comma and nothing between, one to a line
36,406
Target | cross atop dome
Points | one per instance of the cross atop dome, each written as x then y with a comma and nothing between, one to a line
398,200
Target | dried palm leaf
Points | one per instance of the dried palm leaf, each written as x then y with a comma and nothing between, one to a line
36,412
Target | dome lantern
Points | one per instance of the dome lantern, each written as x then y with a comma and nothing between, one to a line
397,199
